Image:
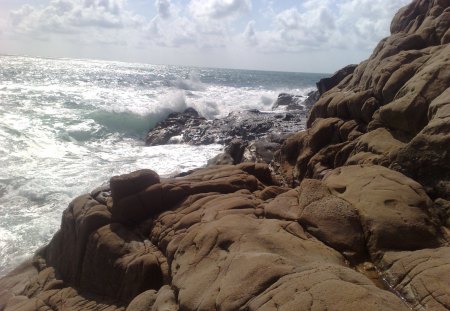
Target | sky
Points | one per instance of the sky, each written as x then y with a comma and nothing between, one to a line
286,35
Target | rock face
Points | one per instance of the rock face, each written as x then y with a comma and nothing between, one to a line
391,110
354,214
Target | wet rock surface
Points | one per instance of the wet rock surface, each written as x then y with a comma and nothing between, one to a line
249,125
352,214
259,134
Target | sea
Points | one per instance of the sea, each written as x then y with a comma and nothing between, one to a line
68,125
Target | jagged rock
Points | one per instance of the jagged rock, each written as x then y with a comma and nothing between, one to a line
311,99
326,84
247,126
289,102
174,125
232,154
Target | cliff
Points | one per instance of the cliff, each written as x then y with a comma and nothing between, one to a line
356,216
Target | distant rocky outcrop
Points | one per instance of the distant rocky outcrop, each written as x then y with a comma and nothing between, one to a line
352,214
288,101
173,126
291,102
248,125
259,134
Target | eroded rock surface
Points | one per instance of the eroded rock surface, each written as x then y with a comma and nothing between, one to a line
224,237
391,110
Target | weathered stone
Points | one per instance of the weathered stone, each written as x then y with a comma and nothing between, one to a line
393,208
328,83
125,185
420,277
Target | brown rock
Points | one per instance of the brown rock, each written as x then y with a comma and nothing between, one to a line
125,264
298,149
393,208
67,248
328,83
163,300
125,185
427,156
14,284
421,277
227,225
261,256
332,220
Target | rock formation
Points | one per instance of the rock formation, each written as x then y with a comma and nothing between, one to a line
249,125
352,214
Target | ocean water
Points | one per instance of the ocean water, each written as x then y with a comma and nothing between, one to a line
67,126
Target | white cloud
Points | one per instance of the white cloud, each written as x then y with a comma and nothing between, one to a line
325,24
174,33
164,8
250,34
72,17
219,9
197,27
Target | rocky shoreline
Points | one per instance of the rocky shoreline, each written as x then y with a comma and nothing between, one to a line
351,214
248,135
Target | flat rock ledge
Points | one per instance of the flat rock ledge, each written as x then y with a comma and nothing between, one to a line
351,214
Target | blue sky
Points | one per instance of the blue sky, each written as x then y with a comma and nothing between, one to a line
288,35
